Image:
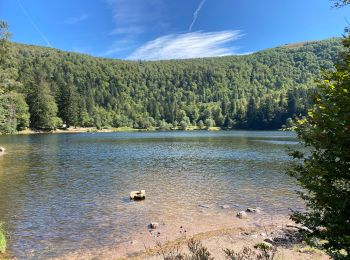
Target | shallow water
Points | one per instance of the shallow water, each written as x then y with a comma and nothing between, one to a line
63,192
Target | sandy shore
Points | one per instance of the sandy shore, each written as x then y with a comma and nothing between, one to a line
73,130
232,233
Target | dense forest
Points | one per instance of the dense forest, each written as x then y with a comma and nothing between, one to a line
43,88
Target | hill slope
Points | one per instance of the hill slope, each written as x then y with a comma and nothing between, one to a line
257,91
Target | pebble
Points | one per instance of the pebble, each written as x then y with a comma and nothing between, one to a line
242,215
153,225
253,210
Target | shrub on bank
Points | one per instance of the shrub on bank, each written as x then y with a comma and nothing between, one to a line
3,243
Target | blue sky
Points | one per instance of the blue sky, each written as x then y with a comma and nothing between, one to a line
168,29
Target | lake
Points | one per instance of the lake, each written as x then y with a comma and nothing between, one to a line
63,192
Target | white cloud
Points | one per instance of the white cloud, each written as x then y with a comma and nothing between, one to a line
188,45
76,19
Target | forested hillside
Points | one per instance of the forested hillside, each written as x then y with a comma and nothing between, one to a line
256,91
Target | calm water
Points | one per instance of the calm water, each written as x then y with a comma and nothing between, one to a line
67,191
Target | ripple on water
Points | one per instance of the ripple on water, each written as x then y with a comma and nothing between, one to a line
63,192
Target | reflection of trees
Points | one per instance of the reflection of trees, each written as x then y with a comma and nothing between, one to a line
13,168
24,172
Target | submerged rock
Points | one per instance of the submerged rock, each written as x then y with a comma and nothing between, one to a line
138,195
253,210
133,242
242,215
153,225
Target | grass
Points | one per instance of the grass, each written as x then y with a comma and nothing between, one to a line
3,242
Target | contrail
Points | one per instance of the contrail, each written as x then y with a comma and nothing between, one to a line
33,24
195,14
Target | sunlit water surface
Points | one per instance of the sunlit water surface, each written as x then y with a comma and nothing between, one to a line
62,192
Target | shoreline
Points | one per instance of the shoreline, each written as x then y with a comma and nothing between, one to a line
79,130
235,234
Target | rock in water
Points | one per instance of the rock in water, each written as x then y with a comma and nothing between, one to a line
138,195
242,215
153,225
253,210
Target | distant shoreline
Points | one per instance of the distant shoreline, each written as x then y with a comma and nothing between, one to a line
77,130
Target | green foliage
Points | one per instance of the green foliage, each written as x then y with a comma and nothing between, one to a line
323,171
15,112
262,252
257,91
209,123
3,242
200,125
13,108
195,247
69,101
198,251
185,123
163,125
340,3
42,105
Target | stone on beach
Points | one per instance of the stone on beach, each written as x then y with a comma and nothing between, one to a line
269,240
225,206
138,195
242,214
2,149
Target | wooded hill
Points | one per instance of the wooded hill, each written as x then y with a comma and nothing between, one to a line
257,91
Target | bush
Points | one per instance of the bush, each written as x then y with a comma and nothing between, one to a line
323,171
209,123
197,251
163,125
200,124
3,242
264,252
183,125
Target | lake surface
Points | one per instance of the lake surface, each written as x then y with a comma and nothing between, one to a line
63,192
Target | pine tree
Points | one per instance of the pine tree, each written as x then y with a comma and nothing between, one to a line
42,105
68,104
